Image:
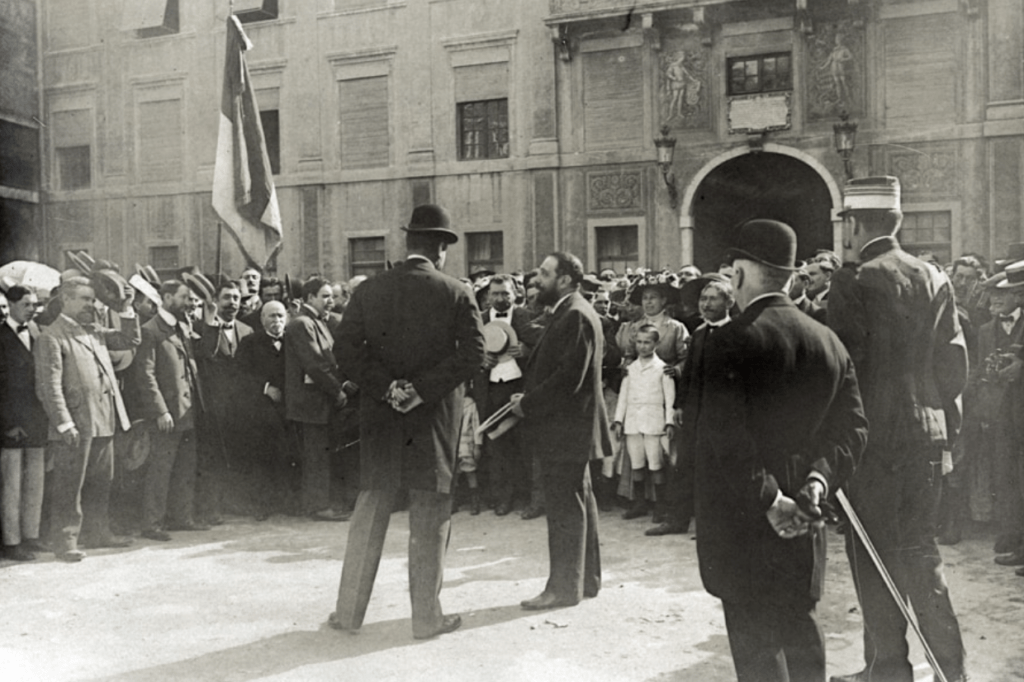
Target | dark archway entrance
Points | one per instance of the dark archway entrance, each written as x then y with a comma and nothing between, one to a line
763,185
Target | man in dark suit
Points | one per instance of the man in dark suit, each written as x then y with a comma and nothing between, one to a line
778,419
509,465
23,423
566,425
897,317
76,384
168,396
411,338
313,391
222,425
271,444
715,302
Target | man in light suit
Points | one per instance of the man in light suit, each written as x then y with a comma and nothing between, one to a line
168,395
566,425
411,338
313,391
76,384
23,423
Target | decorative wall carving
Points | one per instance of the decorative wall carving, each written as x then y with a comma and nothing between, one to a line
929,170
684,69
614,190
835,70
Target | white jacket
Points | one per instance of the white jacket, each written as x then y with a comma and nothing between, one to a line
646,398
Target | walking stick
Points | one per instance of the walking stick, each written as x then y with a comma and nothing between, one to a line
844,502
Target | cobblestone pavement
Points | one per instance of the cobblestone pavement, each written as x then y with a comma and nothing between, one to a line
248,601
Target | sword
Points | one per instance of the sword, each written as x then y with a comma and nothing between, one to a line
858,527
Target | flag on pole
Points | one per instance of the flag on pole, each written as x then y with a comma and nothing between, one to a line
243,184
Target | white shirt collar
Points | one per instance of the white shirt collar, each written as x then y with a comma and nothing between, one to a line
14,325
1015,315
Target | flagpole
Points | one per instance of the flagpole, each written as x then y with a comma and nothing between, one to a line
220,231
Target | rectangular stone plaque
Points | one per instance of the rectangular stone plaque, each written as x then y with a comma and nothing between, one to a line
759,113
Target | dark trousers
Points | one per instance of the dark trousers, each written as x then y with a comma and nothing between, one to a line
510,471
775,642
211,465
573,551
315,446
82,476
679,495
170,478
899,511
429,529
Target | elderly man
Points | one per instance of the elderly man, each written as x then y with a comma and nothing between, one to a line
897,316
168,396
76,384
23,421
412,366
779,419
566,425
313,391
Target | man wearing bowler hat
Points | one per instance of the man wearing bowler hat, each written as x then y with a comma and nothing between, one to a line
411,338
778,420
898,318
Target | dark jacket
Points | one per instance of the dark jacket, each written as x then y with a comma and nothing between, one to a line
165,376
566,419
417,324
19,405
312,383
778,400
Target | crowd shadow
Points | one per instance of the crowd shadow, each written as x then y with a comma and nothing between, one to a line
289,651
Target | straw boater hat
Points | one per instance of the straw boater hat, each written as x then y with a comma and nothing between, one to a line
879,193
431,219
1014,253
768,242
1014,276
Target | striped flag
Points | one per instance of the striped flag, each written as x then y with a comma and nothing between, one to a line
243,185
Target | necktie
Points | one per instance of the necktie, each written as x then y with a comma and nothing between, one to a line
228,326
1006,319
22,328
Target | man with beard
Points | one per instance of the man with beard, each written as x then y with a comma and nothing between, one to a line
566,425
509,465
168,396
313,391
220,431
23,423
76,384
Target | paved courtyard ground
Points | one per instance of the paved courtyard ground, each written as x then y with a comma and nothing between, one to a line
248,601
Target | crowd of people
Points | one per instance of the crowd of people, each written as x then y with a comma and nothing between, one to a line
155,404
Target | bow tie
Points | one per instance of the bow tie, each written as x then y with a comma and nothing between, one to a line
507,313
228,326
1006,319
22,328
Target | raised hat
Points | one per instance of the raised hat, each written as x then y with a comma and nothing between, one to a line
200,286
110,287
145,288
768,242
148,273
432,219
880,192
1014,276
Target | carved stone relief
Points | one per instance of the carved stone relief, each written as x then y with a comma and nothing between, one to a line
929,170
835,70
614,190
684,75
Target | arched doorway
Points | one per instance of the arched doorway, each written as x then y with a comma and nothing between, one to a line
761,185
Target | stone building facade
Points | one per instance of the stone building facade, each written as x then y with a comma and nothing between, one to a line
534,122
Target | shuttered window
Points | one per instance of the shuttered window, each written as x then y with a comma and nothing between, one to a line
617,247
920,69
72,145
484,251
160,141
367,255
365,125
613,92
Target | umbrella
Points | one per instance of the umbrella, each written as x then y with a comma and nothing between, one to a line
35,276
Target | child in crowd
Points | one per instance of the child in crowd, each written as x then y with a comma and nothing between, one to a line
644,414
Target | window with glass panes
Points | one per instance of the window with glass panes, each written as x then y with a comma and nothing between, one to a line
617,247
484,251
483,129
928,231
165,260
760,73
367,255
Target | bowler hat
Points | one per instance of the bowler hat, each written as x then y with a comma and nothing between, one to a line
432,219
768,242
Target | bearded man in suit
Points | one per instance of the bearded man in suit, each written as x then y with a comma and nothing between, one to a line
76,384
565,426
411,338
778,419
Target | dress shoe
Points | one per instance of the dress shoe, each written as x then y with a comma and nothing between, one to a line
862,676
329,515
667,528
1020,572
107,542
546,600
18,553
503,509
949,538
156,534
448,624
72,556
334,623
474,504
866,676
636,511
37,546
532,512
188,526
208,521
1015,559
1006,543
